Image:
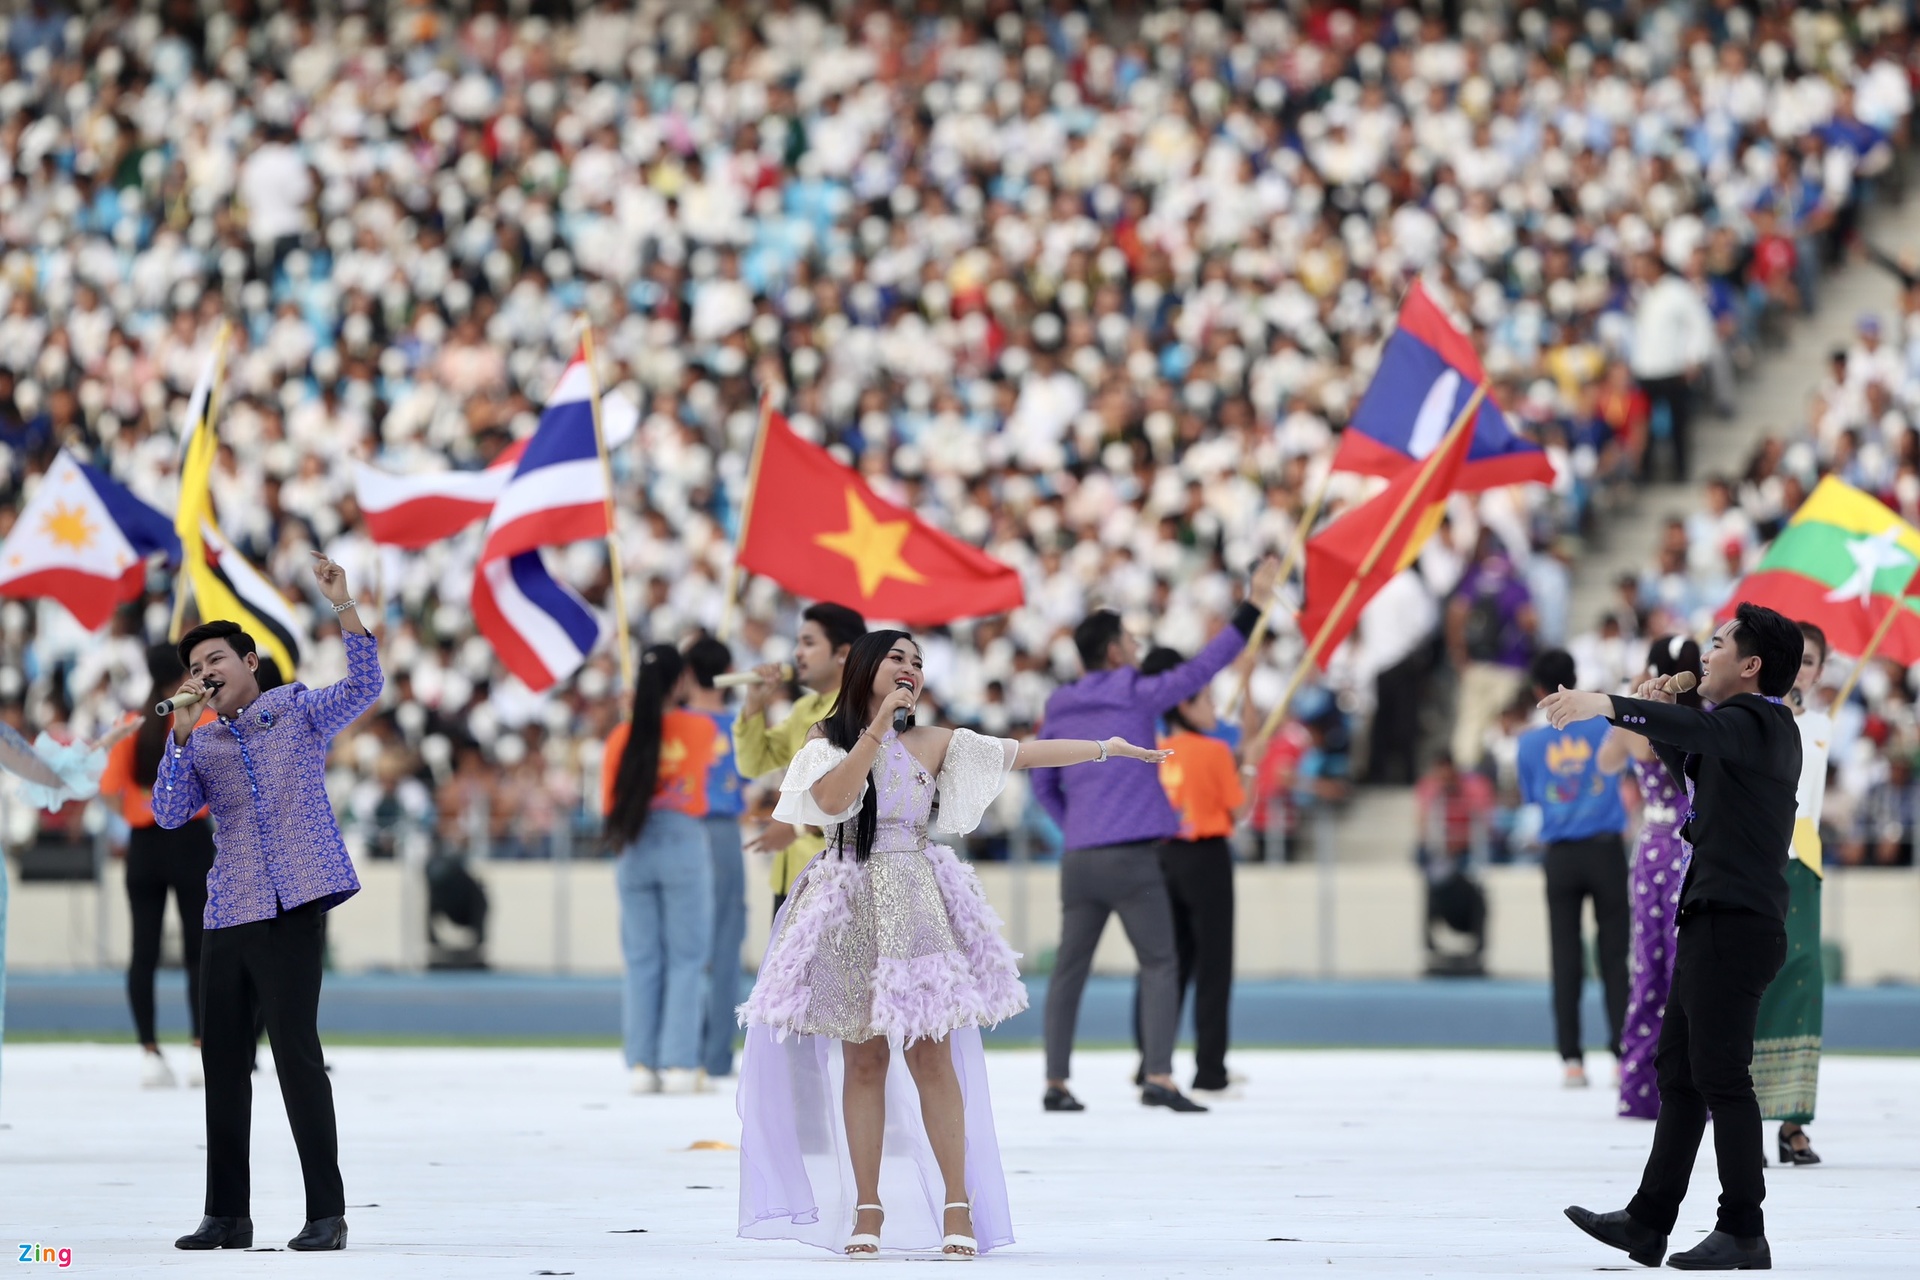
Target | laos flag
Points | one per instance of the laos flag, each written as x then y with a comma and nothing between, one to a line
1427,374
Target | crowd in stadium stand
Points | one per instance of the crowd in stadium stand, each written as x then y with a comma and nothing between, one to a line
1094,292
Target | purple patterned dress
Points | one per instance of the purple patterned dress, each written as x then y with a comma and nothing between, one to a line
1659,863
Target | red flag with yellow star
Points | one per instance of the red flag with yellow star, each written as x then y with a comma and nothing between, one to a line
814,527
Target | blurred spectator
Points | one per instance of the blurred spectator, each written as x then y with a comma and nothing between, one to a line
1456,814
1490,635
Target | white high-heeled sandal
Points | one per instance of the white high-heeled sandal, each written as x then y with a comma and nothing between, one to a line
957,1248
864,1246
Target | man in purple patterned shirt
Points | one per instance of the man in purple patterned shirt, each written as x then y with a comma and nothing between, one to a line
280,864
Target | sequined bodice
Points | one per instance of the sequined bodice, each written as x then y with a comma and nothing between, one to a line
903,791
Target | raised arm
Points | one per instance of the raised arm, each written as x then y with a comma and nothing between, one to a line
1174,686
1059,753
339,704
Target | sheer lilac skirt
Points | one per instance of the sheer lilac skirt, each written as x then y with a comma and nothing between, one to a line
796,1177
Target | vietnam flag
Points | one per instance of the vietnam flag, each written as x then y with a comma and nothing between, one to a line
814,527
1359,553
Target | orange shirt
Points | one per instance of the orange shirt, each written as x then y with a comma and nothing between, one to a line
136,801
689,744
1203,782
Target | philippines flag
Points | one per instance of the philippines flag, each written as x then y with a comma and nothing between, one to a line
83,540
1427,374
417,510
558,490
541,629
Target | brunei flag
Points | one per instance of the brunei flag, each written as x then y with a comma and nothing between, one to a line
224,585
815,528
1352,558
1841,563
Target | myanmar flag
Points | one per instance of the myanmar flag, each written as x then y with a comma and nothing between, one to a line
816,529
1841,563
1352,558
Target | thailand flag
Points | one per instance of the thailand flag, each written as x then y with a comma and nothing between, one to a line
83,540
420,509
541,628
1427,374
558,491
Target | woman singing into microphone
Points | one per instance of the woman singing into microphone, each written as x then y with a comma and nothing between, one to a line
886,949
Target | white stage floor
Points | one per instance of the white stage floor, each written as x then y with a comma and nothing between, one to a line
506,1162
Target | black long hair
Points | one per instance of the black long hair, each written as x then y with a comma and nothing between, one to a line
852,712
1165,659
1670,655
150,739
639,770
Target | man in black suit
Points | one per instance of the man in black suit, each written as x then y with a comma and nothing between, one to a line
1742,763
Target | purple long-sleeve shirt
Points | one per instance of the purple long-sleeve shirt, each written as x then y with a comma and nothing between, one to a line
1122,801
263,773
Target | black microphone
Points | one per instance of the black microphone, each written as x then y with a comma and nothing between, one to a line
900,714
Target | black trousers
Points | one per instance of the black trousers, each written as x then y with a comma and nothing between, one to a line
159,860
275,963
1724,963
1677,395
1577,870
1393,744
1199,877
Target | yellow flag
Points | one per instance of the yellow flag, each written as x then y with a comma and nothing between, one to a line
224,584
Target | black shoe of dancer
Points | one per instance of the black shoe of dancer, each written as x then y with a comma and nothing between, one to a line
320,1235
219,1233
1722,1252
1158,1095
1795,1146
1643,1244
1059,1099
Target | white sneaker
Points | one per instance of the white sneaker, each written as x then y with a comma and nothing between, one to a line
643,1080
684,1080
1573,1074
196,1078
156,1074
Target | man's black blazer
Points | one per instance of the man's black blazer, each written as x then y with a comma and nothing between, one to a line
1744,760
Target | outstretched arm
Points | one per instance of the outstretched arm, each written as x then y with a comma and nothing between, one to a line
1058,753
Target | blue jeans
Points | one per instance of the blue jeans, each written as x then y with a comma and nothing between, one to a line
729,931
666,924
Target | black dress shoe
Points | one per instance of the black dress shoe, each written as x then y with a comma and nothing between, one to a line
320,1235
1061,1100
1722,1252
219,1233
1158,1095
1643,1244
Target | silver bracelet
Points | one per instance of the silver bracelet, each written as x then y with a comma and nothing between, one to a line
1102,757
343,606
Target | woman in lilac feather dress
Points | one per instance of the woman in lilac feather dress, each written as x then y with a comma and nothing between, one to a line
1659,864
864,1082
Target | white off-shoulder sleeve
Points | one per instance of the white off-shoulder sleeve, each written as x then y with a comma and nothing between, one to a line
975,772
797,806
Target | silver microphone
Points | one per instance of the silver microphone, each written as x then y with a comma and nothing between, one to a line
740,679
181,701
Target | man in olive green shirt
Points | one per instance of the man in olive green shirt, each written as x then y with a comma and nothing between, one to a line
819,654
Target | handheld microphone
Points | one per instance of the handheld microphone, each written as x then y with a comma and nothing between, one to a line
900,714
740,679
1683,682
180,702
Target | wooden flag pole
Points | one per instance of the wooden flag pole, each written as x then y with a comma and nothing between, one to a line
1873,646
746,519
622,637
1294,548
1379,548
182,580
